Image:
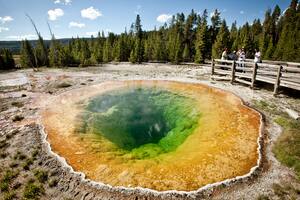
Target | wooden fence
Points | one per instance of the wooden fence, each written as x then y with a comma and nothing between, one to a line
280,75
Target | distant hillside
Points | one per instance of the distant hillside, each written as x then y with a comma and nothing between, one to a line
15,46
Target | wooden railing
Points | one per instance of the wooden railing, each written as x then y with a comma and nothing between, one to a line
280,75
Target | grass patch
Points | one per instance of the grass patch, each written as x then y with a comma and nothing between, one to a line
4,186
10,196
52,182
285,191
35,153
263,197
266,106
16,186
3,144
8,177
3,154
287,147
28,162
19,156
13,165
33,190
42,176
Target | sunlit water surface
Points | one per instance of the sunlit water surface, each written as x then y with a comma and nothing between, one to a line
160,135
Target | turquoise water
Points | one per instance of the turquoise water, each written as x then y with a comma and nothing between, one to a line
145,122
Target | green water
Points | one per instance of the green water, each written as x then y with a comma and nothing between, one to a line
144,122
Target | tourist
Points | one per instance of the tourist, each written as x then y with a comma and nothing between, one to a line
257,56
224,54
242,58
232,56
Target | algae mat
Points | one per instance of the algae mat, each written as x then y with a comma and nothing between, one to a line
160,135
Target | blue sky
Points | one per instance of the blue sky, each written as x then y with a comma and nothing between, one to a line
82,18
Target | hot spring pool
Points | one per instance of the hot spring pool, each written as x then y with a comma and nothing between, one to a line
160,135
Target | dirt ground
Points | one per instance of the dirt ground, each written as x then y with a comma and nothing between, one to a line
23,152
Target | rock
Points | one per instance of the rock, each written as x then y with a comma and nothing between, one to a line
293,114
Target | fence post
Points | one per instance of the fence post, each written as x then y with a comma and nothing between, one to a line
277,83
212,67
254,75
233,72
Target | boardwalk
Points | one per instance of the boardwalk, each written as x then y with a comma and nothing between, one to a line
280,74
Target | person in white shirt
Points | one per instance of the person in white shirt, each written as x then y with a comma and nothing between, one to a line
257,56
224,54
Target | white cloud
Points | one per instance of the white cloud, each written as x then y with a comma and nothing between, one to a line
92,33
5,19
3,29
164,18
76,24
138,9
90,13
22,37
55,14
242,12
64,2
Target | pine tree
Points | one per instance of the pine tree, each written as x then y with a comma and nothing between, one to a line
287,48
270,49
276,26
256,30
41,52
237,42
1,63
27,55
175,39
137,53
85,53
297,50
149,47
189,36
222,41
247,40
171,44
186,53
107,51
119,49
184,39
201,39
159,51
54,53
267,35
177,49
215,25
6,59
97,49
133,58
233,36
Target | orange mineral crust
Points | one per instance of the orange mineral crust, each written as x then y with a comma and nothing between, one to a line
222,146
